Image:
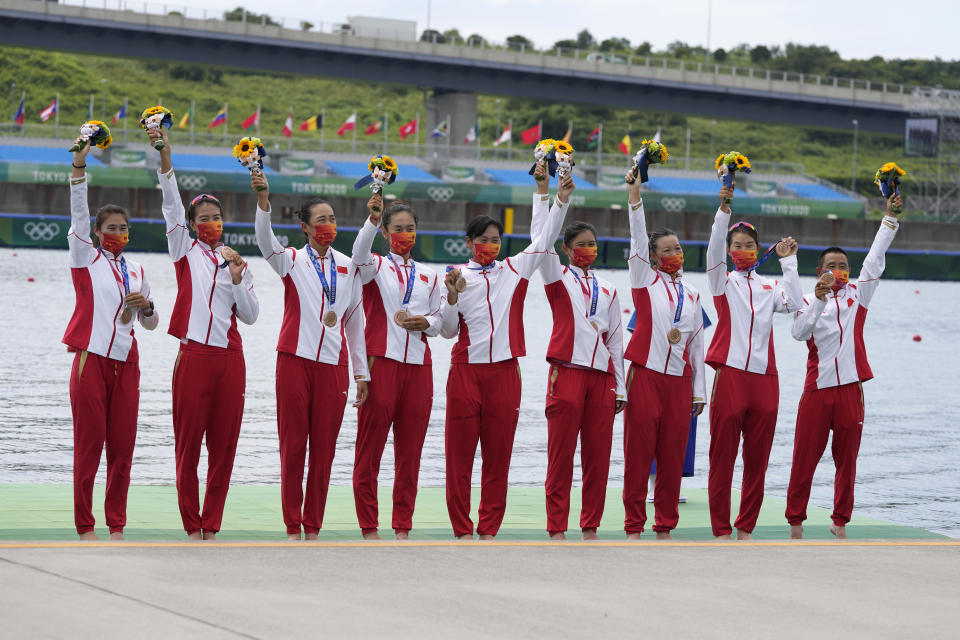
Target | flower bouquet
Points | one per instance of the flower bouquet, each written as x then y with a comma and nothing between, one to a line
888,179
250,152
154,118
93,131
651,152
727,166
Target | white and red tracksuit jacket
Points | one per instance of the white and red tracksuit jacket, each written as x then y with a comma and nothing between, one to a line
488,316
384,288
655,297
303,332
745,303
575,340
208,303
98,282
833,328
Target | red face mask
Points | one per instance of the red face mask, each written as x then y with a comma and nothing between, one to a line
325,234
841,277
671,264
114,242
210,232
485,253
743,259
401,242
583,257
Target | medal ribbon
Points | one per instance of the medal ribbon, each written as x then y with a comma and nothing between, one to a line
595,295
410,280
676,316
764,257
330,290
123,271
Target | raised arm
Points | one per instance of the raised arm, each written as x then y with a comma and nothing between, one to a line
876,260
178,234
550,267
368,264
614,342
789,298
279,258
544,229
82,251
717,247
638,264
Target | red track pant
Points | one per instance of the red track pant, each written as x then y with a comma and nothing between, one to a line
104,398
656,427
402,395
208,391
311,397
839,409
483,405
579,401
742,404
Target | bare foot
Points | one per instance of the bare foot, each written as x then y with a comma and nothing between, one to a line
633,536
311,536
466,536
725,536
371,535
743,535
560,535
590,534
402,535
664,535
89,536
486,537
293,537
839,530
209,535
194,536
796,532
116,536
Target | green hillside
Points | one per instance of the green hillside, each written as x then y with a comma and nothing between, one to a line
824,152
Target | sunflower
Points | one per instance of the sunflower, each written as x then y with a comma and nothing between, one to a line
719,162
246,147
741,162
663,152
562,147
383,162
103,143
891,167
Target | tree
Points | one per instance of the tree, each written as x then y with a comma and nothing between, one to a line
240,15
476,40
643,49
585,40
678,49
565,44
520,43
306,26
809,58
760,54
720,55
432,35
615,44
452,35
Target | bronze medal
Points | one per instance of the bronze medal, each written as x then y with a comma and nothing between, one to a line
400,316
828,278
461,285
673,336
126,316
330,318
228,254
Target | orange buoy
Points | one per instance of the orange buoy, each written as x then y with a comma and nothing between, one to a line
917,338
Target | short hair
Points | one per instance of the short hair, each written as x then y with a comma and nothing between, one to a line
399,207
306,205
830,250
743,227
575,228
478,225
103,213
662,232
199,200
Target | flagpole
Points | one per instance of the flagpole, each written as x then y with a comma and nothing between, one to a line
449,133
125,105
416,138
510,139
226,121
290,139
354,134
600,148
193,117
56,122
90,109
386,125
23,101
476,138
323,117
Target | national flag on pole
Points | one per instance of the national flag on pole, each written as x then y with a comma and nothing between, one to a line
312,123
252,120
471,135
219,119
373,128
408,129
288,126
49,111
185,120
348,125
624,145
122,113
566,136
504,137
442,130
18,116
531,135
593,139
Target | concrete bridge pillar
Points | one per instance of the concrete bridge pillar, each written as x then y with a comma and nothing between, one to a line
461,108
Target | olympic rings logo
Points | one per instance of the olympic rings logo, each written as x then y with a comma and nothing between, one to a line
440,194
41,230
456,247
192,182
673,204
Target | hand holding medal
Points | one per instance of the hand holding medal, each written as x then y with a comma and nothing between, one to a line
234,262
383,170
153,119
651,152
824,285
727,166
95,132
250,153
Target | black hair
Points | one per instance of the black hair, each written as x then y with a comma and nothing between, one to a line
105,211
662,232
304,211
399,207
575,228
829,250
192,209
478,225
742,228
